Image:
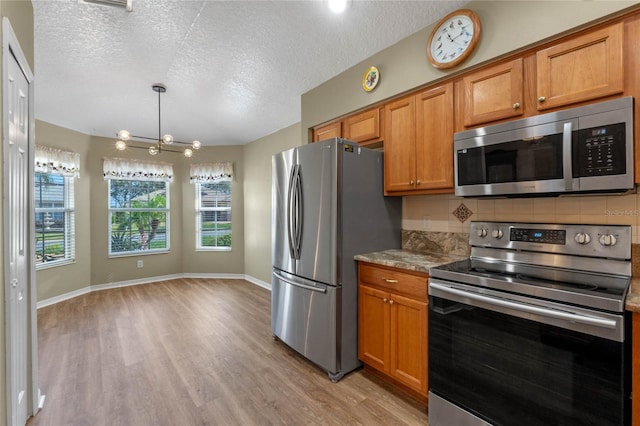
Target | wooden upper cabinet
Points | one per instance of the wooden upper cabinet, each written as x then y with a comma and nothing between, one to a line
327,131
494,93
418,143
363,127
434,138
400,145
583,68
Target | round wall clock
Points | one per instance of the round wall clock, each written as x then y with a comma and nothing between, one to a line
453,38
370,79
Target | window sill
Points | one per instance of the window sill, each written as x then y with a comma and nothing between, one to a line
213,249
48,265
138,253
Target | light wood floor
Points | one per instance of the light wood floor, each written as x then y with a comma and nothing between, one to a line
192,352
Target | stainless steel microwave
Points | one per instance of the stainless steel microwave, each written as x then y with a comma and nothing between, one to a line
584,149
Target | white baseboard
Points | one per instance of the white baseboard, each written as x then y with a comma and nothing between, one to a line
63,297
258,282
99,287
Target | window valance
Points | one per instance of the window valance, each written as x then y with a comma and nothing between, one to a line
57,161
120,168
211,173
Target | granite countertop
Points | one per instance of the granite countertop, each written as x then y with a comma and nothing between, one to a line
423,261
409,260
633,297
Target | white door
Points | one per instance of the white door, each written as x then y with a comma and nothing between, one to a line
17,211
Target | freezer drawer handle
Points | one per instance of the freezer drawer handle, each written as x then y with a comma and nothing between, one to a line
306,287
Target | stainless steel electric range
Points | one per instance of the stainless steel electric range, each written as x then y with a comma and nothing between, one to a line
531,329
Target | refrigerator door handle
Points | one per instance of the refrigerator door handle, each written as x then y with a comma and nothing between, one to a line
297,284
291,219
299,215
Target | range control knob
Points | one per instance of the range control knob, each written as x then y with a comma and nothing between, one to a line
482,232
608,240
582,238
496,233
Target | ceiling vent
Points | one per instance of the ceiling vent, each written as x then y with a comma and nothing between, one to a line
125,4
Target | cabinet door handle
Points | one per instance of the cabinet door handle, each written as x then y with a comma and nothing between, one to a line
516,105
391,302
390,281
384,300
418,182
541,99
411,182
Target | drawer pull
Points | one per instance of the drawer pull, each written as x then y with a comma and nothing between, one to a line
388,280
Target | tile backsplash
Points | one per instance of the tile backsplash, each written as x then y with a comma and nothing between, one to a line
448,213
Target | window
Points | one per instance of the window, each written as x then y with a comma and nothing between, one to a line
138,216
213,205
54,174
55,219
213,215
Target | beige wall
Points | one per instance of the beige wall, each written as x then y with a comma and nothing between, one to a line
55,281
403,67
506,26
182,257
257,191
221,262
106,270
20,14
93,265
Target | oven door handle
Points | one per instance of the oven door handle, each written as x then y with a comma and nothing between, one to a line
466,296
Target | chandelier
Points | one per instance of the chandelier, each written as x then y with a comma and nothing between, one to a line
161,141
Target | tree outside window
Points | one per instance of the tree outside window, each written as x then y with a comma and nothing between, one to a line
138,216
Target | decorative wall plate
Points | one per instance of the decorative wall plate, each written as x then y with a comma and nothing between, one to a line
370,79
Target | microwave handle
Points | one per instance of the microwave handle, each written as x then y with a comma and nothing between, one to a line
567,165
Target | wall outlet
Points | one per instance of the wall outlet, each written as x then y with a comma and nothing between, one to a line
140,264
426,222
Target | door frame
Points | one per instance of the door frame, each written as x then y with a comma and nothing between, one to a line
11,47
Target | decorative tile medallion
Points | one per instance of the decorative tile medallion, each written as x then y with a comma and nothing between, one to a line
462,212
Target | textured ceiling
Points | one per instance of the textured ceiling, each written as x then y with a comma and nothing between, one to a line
234,70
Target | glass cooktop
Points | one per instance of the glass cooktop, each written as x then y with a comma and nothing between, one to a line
599,291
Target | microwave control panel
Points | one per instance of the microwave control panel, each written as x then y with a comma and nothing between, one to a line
600,151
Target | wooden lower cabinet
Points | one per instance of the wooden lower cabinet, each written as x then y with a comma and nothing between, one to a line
635,369
392,325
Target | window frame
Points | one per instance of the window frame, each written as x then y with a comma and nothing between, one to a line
68,210
166,210
199,209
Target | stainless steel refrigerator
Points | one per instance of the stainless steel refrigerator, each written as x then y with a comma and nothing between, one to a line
328,206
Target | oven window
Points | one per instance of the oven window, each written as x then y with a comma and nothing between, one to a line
517,161
508,370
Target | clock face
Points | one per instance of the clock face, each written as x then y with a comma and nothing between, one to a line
454,39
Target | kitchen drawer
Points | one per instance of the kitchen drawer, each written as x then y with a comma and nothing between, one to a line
391,279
